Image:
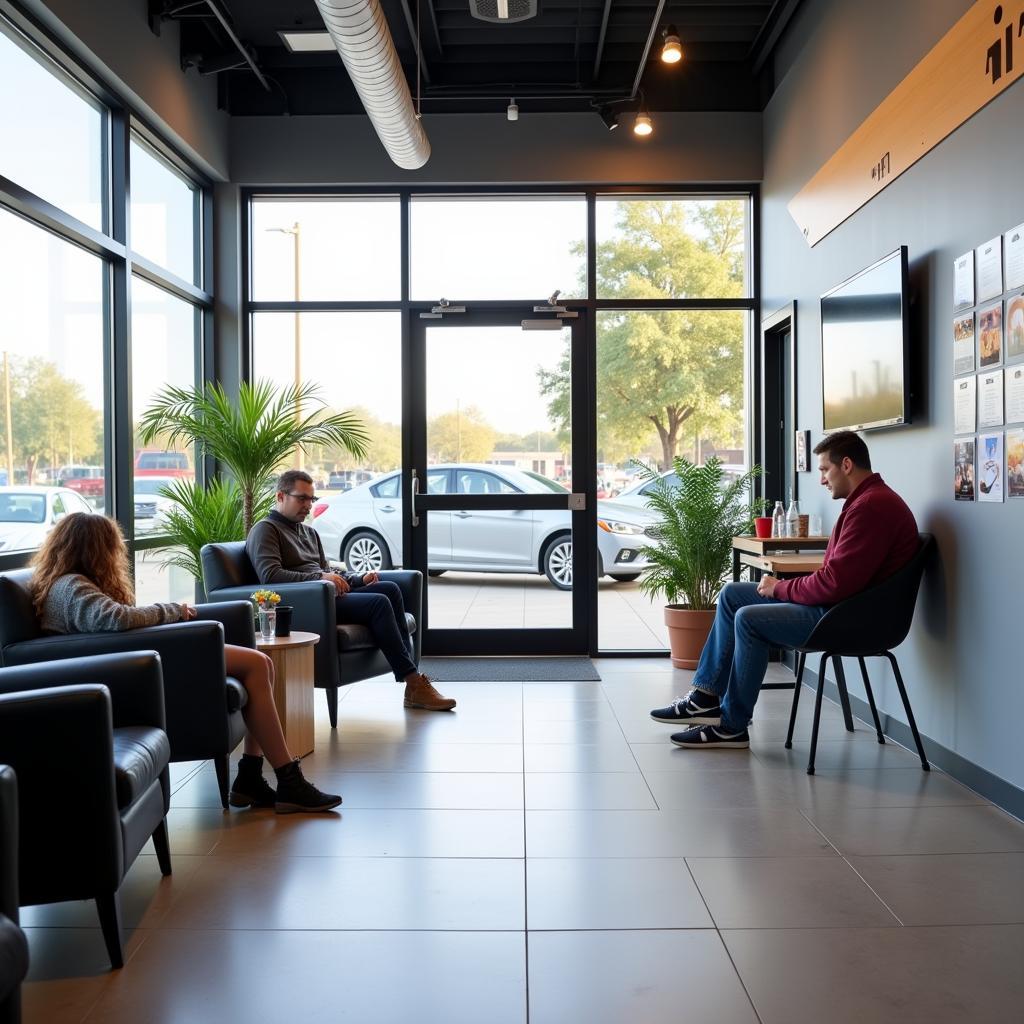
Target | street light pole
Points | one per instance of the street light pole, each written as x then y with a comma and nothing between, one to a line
296,232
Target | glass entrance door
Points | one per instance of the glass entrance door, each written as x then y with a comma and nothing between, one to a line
493,506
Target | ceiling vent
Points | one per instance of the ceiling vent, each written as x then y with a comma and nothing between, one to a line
503,11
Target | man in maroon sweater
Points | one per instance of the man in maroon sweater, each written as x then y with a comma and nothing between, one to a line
874,536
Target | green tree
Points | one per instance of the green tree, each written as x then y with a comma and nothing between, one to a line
51,419
460,436
383,447
676,372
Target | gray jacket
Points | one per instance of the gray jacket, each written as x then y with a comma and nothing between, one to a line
285,552
76,605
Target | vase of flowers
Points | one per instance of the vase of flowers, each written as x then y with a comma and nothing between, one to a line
266,602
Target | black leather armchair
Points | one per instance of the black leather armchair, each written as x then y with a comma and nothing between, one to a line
13,946
86,738
204,704
346,653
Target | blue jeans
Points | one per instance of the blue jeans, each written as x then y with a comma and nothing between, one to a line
735,658
380,607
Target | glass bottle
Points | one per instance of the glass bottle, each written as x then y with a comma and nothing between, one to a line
779,520
792,517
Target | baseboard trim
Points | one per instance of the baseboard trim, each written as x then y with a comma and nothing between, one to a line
1002,793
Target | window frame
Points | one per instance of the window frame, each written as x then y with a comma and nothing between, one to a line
113,246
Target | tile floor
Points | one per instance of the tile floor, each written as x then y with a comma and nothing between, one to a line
545,855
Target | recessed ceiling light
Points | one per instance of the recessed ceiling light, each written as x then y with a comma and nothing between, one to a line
307,42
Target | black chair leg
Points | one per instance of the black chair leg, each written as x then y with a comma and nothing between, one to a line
801,659
817,711
332,705
163,847
871,700
844,694
906,707
223,767
109,909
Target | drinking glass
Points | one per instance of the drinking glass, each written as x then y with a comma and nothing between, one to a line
814,525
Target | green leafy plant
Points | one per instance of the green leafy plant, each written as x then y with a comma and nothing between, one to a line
699,516
203,515
253,435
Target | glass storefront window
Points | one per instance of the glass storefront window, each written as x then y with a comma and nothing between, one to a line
326,249
53,134
51,381
498,247
164,205
664,248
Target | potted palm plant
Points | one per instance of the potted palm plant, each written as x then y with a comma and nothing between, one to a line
699,516
251,437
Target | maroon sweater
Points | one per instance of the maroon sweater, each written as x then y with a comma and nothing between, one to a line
874,536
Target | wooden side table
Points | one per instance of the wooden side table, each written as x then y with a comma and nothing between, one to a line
293,686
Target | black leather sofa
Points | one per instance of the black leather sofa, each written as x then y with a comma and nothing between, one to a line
204,704
346,653
13,946
86,738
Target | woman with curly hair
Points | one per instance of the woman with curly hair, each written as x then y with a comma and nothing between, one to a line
81,584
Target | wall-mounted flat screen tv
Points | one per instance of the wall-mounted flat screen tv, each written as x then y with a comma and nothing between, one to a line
865,348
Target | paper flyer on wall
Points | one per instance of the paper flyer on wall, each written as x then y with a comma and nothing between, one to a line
1013,243
1014,394
963,344
990,399
963,280
1015,327
990,268
1015,463
990,467
963,470
990,335
965,404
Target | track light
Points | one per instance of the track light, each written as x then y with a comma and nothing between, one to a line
512,110
610,118
642,125
672,48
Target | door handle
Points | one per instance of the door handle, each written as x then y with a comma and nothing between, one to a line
415,490
387,508
464,515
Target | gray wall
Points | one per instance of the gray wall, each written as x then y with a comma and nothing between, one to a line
112,37
962,661
486,148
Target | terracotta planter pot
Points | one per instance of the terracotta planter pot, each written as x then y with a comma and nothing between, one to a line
687,633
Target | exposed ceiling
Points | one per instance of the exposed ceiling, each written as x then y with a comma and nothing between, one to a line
572,55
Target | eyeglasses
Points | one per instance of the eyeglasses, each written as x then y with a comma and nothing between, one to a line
303,497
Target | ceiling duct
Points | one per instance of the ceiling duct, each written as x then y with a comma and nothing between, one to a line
360,32
502,11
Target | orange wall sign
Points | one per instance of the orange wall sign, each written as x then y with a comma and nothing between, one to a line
979,57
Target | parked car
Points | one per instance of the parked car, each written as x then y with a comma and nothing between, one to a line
84,480
636,496
363,528
27,514
151,507
157,462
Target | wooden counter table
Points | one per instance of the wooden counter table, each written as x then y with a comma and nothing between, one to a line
759,547
293,686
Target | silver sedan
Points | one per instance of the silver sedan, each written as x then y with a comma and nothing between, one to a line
363,528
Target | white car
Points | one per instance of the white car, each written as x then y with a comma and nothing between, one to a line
28,514
363,528
636,496
151,507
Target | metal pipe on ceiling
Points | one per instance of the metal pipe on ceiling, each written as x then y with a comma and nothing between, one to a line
360,33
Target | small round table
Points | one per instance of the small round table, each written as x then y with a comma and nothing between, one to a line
293,686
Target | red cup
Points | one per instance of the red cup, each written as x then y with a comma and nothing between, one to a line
763,526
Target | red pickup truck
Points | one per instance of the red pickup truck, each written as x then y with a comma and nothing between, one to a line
85,480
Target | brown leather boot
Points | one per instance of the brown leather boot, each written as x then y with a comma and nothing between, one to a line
420,693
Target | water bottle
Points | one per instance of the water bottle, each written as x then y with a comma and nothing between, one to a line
779,520
792,517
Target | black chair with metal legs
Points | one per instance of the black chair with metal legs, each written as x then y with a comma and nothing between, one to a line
868,625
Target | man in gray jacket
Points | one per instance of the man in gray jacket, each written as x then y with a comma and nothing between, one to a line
284,550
